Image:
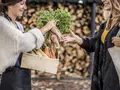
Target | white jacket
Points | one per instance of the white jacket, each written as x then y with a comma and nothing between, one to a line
13,42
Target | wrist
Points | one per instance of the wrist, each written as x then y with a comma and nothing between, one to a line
50,25
44,30
79,40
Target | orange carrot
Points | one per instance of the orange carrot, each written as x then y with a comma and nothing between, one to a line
53,52
46,50
51,56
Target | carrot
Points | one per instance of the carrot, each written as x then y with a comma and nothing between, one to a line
46,50
38,53
53,52
43,54
51,56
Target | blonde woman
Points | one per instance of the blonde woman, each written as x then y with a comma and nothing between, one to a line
104,73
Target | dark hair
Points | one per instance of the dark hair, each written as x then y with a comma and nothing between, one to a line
5,3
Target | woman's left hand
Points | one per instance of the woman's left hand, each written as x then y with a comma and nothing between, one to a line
116,41
55,40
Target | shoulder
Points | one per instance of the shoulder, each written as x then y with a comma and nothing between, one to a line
4,21
2,18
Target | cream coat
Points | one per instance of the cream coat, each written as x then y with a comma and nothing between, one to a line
13,42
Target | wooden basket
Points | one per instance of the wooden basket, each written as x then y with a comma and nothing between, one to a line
36,62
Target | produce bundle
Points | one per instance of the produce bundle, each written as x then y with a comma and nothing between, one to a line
61,17
63,22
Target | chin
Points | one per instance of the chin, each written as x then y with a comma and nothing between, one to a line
20,15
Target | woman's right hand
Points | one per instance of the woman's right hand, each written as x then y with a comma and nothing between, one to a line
48,27
73,38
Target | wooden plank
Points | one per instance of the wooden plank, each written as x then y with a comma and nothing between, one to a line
35,62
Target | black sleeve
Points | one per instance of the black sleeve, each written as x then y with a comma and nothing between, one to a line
89,43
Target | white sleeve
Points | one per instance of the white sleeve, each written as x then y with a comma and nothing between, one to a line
22,42
30,40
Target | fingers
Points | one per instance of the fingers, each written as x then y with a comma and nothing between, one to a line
54,38
56,31
116,41
52,23
65,39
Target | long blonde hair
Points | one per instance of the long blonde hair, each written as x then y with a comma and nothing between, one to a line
115,5
115,9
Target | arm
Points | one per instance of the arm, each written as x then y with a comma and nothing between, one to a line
86,43
22,42
28,41
47,27
90,43
34,38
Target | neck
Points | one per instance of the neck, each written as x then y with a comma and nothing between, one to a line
13,18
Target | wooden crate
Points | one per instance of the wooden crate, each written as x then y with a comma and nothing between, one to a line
36,62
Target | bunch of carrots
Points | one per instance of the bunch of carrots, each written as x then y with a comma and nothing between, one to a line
50,51
63,22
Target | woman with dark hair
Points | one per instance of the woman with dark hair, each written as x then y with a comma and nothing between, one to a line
104,73
13,42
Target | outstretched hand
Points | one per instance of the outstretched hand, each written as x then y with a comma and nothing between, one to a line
72,38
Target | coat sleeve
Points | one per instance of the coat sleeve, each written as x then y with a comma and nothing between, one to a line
30,40
89,43
22,42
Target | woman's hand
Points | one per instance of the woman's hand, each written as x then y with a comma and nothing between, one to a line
55,40
56,31
116,41
48,27
73,38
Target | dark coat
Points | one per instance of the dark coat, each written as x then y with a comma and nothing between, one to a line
104,74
